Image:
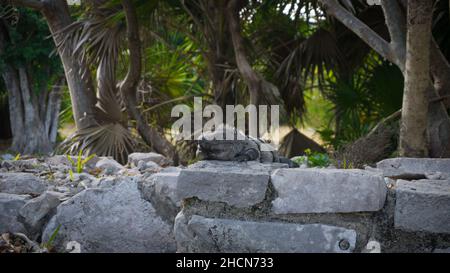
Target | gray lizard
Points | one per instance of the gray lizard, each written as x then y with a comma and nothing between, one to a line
215,146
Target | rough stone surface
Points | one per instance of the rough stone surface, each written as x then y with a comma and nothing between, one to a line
21,183
161,190
237,184
200,234
159,159
245,166
440,250
7,157
149,166
58,160
410,168
22,165
115,219
423,205
109,166
10,205
38,211
327,191
62,162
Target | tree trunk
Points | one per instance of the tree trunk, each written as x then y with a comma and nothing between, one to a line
81,88
53,106
128,87
439,97
27,127
413,134
251,77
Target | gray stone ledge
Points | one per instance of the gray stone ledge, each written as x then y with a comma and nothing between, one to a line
327,191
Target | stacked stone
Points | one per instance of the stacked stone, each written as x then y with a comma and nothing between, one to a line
402,205
255,207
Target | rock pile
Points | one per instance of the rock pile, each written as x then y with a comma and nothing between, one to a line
99,209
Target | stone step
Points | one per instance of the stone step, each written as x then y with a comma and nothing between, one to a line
423,205
415,167
201,234
236,184
327,191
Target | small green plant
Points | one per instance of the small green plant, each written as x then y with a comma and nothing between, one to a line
71,175
80,163
313,159
17,157
49,243
346,164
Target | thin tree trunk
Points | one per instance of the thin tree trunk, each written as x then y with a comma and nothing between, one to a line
52,110
128,87
413,135
252,79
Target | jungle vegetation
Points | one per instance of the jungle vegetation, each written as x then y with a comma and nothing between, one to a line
372,81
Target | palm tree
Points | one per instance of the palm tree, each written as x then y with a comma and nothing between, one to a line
97,41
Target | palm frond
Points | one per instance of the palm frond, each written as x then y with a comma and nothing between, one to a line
106,140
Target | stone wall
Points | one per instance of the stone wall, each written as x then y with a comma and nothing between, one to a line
253,207
402,205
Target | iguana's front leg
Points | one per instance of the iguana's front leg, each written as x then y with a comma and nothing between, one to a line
247,155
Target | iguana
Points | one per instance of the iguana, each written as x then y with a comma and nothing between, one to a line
215,146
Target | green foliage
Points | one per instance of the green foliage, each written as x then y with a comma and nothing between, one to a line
71,176
78,166
361,99
65,114
345,164
313,159
17,157
31,45
51,240
173,75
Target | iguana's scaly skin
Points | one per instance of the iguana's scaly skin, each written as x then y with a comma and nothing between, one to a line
214,146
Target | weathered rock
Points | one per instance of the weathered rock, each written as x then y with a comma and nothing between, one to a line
327,191
57,163
10,205
372,246
423,205
161,190
58,160
62,161
414,168
22,164
115,219
237,184
200,234
129,172
172,169
442,250
6,157
233,165
149,166
161,160
38,211
109,166
21,183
